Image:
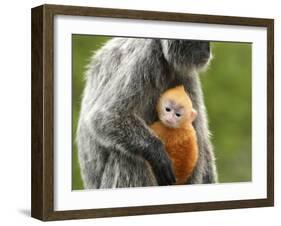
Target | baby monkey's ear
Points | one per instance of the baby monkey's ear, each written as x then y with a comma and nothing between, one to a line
193,115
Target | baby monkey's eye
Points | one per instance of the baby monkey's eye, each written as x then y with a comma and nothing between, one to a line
178,114
168,109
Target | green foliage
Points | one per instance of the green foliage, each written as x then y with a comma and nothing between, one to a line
83,47
227,89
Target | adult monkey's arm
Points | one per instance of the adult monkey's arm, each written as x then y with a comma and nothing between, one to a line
128,133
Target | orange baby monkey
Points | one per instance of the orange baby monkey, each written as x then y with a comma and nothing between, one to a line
175,130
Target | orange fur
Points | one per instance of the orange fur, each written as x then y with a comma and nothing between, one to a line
180,143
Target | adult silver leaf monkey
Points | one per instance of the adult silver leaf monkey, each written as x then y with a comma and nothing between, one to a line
124,81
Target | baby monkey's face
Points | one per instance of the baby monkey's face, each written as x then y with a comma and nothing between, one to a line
174,115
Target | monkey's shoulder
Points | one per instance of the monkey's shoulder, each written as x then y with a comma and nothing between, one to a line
174,136
181,138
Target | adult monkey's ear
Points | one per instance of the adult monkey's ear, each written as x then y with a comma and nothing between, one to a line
186,55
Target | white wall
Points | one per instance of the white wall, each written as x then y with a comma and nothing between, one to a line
15,111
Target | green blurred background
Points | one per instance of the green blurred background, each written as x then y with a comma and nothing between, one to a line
227,92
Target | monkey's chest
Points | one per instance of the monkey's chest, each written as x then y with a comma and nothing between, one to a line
184,153
147,108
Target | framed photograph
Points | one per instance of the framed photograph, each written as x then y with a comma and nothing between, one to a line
141,112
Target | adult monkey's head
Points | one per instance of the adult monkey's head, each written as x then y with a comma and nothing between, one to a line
186,55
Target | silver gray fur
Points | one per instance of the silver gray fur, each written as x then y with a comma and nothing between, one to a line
124,81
